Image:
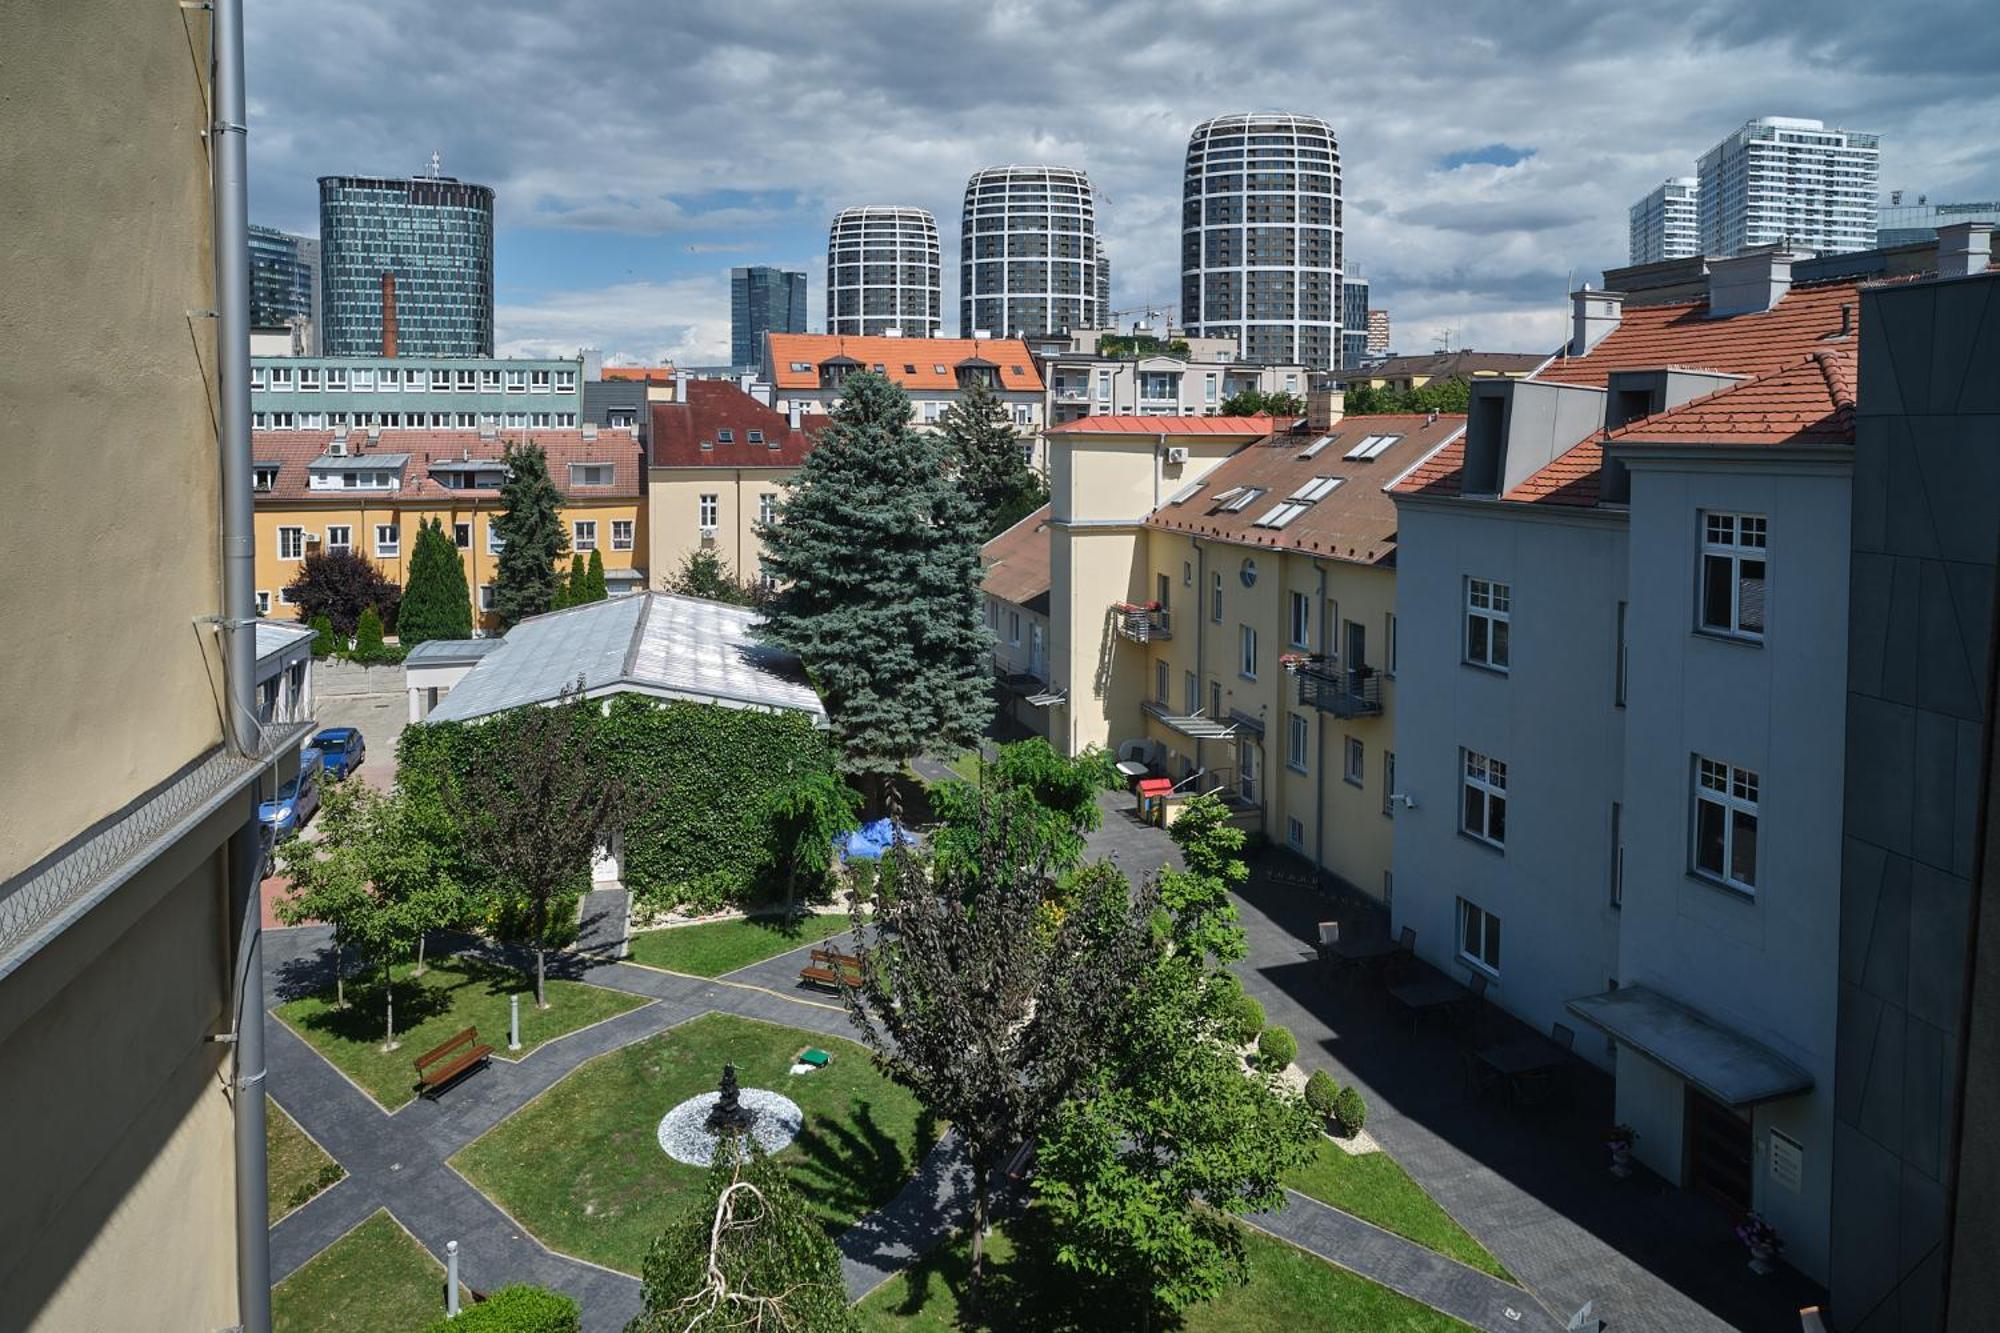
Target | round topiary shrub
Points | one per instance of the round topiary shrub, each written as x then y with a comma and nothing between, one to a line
1248,1020
1350,1113
1321,1093
520,1308
1276,1048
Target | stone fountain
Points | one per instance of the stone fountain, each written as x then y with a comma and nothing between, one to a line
690,1132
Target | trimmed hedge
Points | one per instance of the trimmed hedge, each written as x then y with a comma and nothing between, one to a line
1276,1048
520,1308
1322,1093
1350,1112
700,770
1247,1021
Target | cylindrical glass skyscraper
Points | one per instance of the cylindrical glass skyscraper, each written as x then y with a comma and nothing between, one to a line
1261,237
1028,253
882,272
436,235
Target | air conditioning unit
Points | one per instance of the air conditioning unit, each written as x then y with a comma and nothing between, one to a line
337,448
312,538
1177,453
708,536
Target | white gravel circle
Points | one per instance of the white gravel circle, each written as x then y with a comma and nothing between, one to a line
684,1134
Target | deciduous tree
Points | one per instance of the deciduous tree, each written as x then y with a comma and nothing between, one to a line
1254,402
533,536
799,822
340,585
875,550
705,574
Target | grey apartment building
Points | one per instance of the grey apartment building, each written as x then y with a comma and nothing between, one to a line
434,236
1261,237
763,300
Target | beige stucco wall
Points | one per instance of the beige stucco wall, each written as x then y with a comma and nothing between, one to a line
111,502
120,1178
673,507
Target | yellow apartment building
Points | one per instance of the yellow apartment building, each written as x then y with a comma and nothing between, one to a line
717,458
369,491
1222,607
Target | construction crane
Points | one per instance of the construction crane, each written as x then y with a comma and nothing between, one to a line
1145,312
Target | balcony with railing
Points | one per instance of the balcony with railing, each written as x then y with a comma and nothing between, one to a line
1142,623
1331,688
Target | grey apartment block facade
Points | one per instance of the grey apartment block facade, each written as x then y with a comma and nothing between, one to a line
882,273
434,234
1925,532
1782,180
1261,237
763,300
284,278
1666,224
412,393
1028,253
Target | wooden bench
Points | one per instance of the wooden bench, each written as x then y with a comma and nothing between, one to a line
831,969
441,1064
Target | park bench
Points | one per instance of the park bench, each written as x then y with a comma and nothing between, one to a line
441,1064
831,969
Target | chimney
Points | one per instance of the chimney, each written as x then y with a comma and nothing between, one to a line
681,378
1591,316
1748,283
792,410
1324,408
1964,248
593,363
388,314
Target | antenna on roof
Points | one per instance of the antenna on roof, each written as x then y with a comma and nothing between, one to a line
436,162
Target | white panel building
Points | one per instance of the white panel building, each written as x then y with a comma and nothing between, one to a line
1029,261
882,273
1785,181
1666,223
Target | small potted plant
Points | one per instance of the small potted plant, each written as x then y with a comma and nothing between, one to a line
1763,1241
1619,1139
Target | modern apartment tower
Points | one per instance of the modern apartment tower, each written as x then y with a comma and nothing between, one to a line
1665,224
434,235
763,300
882,272
284,278
1261,237
1028,253
1103,283
1353,321
1785,181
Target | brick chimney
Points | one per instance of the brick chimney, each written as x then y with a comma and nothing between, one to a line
1324,408
388,314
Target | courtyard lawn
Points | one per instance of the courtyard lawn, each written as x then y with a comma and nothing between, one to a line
1376,1189
1289,1291
452,994
297,1167
582,1167
966,764
374,1277
723,946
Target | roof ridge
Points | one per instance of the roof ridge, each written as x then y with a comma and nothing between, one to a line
1837,365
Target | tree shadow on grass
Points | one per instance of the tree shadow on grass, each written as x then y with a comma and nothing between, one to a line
418,999
852,1165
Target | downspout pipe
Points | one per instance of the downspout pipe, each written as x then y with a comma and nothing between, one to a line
1200,638
1319,753
229,165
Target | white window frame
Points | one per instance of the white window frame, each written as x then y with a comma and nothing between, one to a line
708,510
1734,793
583,534
465,381
263,602
489,381
339,537
538,381
485,597
1246,643
1484,951
495,543
1301,620
565,381
458,528
286,597
292,540
440,381
1355,767
1298,742
517,381
363,379
1295,833
1730,541
1215,599
1489,604
1485,777
621,534
767,507
393,548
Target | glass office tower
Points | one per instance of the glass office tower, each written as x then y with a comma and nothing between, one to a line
435,234
763,300
284,277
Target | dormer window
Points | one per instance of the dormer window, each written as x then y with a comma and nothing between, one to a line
755,437
725,436
590,474
264,477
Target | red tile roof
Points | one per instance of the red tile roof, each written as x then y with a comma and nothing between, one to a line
294,450
713,406
1110,425
914,363
1808,402
651,374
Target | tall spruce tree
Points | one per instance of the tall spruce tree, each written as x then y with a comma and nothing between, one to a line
990,461
875,552
436,603
533,536
594,588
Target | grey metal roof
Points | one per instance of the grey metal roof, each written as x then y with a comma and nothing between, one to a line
358,463
446,652
650,643
468,465
274,636
1735,1069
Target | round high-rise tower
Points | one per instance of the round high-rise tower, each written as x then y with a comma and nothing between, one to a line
1028,253
1261,237
882,272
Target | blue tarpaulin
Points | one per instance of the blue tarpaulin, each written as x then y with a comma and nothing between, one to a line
868,842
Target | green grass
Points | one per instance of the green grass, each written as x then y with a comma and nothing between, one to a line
723,946
375,1277
1374,1188
452,994
966,764
1289,1291
297,1167
582,1168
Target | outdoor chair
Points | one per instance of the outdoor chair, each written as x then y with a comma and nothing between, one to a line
1479,1076
1475,1008
1399,966
1329,935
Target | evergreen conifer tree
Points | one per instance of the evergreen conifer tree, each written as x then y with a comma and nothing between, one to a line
576,594
533,537
368,633
436,604
875,552
594,589
990,461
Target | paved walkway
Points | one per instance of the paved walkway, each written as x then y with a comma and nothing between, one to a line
604,923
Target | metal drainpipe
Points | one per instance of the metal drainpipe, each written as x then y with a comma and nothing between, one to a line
1200,636
1319,751
228,159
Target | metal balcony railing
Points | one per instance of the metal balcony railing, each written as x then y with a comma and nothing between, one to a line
1331,688
1142,624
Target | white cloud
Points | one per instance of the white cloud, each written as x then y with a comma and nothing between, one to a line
682,322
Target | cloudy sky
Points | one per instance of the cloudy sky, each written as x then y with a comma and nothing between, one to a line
1489,150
